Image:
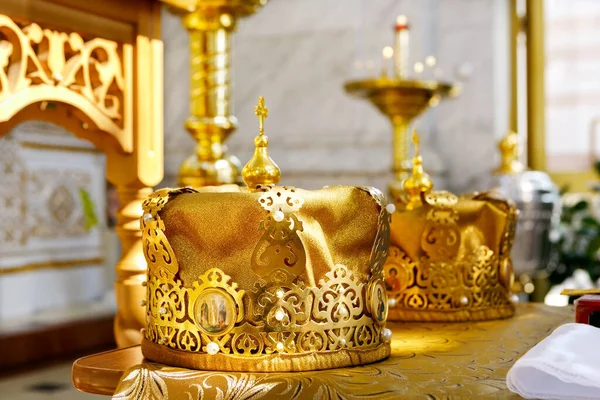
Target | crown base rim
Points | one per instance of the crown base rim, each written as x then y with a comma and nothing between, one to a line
423,315
264,363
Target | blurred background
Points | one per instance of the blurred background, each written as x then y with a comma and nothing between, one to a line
58,245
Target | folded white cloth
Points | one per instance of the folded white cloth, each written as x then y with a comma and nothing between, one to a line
565,365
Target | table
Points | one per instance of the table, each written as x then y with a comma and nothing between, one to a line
430,360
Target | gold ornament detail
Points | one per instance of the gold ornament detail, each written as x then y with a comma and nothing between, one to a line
280,244
156,247
441,238
382,242
191,318
85,74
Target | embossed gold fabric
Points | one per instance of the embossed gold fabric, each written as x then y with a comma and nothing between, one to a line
449,259
429,360
280,279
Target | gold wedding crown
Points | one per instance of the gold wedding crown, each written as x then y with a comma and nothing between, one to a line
268,278
449,257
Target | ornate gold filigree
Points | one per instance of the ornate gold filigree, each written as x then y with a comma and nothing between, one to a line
88,75
157,250
380,250
470,284
280,246
441,238
283,315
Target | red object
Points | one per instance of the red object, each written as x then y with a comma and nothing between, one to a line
400,27
587,310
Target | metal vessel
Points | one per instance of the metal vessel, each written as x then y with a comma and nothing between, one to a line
538,200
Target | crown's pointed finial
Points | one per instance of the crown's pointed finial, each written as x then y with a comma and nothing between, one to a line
419,181
509,152
261,169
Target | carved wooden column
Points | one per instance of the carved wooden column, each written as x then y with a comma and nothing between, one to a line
94,68
131,270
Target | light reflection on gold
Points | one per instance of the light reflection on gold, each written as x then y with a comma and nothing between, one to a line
415,343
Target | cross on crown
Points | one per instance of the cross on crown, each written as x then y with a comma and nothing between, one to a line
261,112
415,140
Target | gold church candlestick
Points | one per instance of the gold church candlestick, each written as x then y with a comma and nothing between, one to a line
210,24
401,100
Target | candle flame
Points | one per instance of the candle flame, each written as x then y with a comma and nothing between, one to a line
388,52
430,61
401,20
418,67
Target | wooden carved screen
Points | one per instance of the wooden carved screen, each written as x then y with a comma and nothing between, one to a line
94,68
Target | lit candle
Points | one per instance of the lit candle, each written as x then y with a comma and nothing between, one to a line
401,45
388,52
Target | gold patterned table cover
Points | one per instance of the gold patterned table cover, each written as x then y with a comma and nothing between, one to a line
429,360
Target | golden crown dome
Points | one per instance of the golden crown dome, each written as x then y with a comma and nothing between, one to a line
419,181
261,170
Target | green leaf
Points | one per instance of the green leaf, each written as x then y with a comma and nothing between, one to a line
592,248
580,205
590,222
89,213
597,167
